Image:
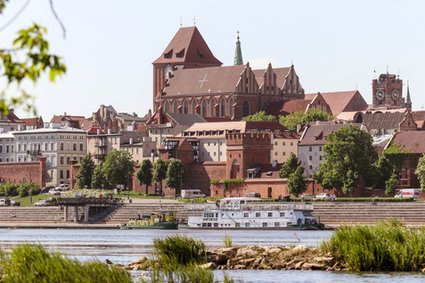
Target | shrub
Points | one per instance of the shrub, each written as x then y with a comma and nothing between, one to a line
179,250
388,246
32,263
9,189
27,188
227,241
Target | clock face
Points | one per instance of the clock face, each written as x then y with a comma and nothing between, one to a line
395,95
380,95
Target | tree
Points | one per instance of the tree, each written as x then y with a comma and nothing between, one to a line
300,118
85,173
144,174
296,183
349,157
98,178
420,171
260,116
27,59
290,166
159,173
391,183
174,176
118,167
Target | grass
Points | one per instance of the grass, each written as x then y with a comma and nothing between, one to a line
32,263
388,246
227,241
25,201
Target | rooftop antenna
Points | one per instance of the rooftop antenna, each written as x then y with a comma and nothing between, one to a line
181,21
374,72
387,69
292,62
194,20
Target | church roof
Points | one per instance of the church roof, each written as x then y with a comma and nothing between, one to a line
204,80
281,74
187,46
341,101
238,53
186,119
296,105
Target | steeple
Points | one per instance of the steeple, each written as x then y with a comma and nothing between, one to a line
238,53
408,103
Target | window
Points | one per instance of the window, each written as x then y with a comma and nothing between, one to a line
282,214
51,146
61,174
46,146
320,148
74,147
61,160
275,143
310,157
264,224
237,224
19,147
310,148
1,148
275,153
284,153
311,167
270,214
247,224
68,160
292,143
67,174
257,214
61,146
11,149
320,157
245,214
81,146
7,148
283,143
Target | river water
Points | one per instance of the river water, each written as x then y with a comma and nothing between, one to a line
124,246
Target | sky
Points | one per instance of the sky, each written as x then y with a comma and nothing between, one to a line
110,45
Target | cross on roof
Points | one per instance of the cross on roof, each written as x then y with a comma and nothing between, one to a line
203,81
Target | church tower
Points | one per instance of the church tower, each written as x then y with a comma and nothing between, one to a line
187,49
408,99
238,53
387,92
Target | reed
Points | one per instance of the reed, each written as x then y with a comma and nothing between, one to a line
387,246
227,241
32,263
179,250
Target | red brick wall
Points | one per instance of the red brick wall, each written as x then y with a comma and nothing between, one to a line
24,172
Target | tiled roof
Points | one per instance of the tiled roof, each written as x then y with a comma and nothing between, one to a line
412,141
187,46
204,80
238,126
281,74
296,105
186,119
382,121
70,118
31,122
341,101
286,135
316,134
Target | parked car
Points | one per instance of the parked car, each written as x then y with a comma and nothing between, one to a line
408,193
62,187
45,190
45,202
254,195
14,202
192,194
304,196
54,192
325,196
4,202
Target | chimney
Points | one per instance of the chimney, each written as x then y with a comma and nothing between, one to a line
299,128
130,141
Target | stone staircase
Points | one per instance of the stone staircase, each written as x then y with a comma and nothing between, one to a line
334,214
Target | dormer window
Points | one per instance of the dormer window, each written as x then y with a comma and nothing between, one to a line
169,54
180,54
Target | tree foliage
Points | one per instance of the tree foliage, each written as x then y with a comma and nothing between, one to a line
260,116
174,176
300,118
290,166
159,172
296,182
144,174
27,59
85,173
118,167
98,179
349,158
420,171
391,183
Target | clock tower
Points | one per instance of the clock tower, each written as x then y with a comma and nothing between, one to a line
387,92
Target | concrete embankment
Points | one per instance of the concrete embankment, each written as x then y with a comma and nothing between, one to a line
332,214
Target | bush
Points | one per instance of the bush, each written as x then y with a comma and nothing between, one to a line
179,250
227,241
27,188
8,189
388,246
31,263
184,274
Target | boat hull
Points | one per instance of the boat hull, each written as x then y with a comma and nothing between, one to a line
312,227
163,225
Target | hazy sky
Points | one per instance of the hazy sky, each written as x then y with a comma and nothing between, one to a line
110,45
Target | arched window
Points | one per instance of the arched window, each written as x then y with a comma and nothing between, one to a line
175,106
231,102
203,108
212,107
185,107
245,109
193,106
166,106
222,107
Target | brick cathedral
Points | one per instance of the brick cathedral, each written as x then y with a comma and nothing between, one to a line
189,79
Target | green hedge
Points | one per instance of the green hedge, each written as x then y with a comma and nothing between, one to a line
357,199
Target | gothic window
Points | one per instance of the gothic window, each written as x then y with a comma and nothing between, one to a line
193,106
212,107
203,108
166,106
245,109
175,106
231,102
222,107
185,107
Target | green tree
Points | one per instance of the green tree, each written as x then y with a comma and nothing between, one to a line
98,178
26,60
300,118
349,156
159,173
290,166
260,116
391,183
174,176
296,183
85,173
420,171
144,174
118,167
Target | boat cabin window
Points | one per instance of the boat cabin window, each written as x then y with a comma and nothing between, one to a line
257,214
245,214
270,214
276,224
282,214
216,224
238,224
264,224
247,224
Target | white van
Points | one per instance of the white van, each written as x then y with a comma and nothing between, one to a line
192,194
408,193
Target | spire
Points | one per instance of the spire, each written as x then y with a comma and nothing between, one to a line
238,53
408,99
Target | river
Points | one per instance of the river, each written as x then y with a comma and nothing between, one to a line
124,246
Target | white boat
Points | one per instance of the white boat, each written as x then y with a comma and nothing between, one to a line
253,213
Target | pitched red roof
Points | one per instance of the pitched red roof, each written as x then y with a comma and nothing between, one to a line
341,101
281,74
412,141
80,120
316,134
296,105
33,122
188,46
